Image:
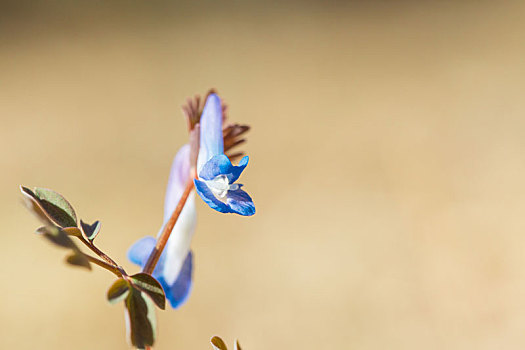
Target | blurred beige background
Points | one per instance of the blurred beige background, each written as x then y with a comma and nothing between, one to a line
387,166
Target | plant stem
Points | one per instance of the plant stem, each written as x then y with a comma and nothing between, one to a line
97,251
163,239
104,265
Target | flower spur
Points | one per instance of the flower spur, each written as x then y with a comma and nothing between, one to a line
215,185
174,268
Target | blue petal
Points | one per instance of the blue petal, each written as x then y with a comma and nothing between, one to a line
237,170
207,195
211,137
240,202
179,291
221,165
140,250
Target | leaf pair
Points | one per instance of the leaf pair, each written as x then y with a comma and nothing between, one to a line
54,210
60,221
139,292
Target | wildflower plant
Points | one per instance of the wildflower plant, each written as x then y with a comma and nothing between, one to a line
204,165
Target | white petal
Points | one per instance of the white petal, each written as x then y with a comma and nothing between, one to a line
179,243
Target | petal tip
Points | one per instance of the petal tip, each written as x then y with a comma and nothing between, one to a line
139,252
179,292
244,161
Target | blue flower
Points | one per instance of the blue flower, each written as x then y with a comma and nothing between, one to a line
178,290
215,185
217,175
174,268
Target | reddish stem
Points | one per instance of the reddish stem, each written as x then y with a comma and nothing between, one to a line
163,239
104,265
97,251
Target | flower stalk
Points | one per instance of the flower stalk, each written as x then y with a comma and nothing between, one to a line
194,131
165,235
97,251
104,265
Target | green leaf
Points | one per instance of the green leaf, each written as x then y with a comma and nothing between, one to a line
218,343
118,291
50,207
57,207
91,231
149,285
60,222
34,205
141,322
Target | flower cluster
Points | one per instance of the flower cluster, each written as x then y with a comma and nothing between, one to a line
215,183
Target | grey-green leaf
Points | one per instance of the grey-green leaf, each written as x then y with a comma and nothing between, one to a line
149,285
218,343
57,207
141,317
50,207
34,205
118,291
91,231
